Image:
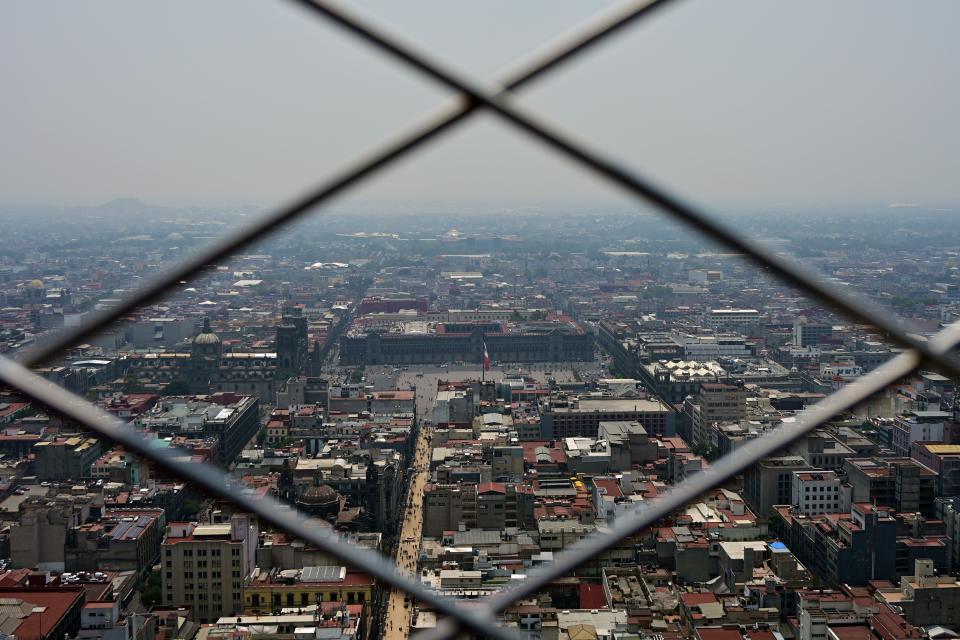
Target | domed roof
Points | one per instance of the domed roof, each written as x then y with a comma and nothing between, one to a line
206,336
324,494
35,284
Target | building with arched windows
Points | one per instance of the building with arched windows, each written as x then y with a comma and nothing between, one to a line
210,368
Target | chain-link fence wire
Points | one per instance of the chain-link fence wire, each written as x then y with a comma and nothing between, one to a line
497,99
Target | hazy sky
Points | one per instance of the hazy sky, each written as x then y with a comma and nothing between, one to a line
249,101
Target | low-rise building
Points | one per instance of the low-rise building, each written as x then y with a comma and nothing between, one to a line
270,590
66,458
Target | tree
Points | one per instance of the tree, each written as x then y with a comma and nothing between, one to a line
191,508
177,388
656,292
707,451
131,384
356,376
150,593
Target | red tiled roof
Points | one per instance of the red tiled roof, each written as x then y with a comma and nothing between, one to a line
609,485
892,626
56,603
592,596
13,577
718,633
696,599
851,632
12,408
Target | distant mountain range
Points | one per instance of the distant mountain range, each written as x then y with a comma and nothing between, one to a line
122,207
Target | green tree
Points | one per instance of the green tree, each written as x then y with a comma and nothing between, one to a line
656,292
150,592
177,388
191,508
707,451
356,376
131,384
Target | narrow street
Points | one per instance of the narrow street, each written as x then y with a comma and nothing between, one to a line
399,607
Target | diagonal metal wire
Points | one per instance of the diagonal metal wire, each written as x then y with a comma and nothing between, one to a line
409,138
503,105
220,484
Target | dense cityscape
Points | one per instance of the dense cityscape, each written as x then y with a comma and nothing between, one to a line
472,395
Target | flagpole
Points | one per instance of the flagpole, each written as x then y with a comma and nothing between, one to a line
483,364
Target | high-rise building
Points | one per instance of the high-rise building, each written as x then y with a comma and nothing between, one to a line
717,402
769,482
204,565
807,333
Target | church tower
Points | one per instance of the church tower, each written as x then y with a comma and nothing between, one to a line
292,343
204,359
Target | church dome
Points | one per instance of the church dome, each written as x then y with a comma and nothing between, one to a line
35,284
322,495
206,336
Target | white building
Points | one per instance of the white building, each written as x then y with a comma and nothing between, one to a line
452,405
702,348
717,318
847,370
704,277
816,492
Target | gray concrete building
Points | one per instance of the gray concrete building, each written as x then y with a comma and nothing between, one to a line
769,482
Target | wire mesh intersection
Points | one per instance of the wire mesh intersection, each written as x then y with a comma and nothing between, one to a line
936,352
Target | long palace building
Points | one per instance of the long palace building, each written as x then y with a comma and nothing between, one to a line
422,342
